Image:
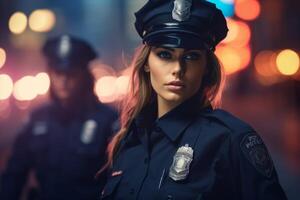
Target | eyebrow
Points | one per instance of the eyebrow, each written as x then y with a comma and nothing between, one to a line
168,48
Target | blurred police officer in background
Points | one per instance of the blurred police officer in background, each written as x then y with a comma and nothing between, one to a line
65,141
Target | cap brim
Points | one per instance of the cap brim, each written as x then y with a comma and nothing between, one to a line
176,40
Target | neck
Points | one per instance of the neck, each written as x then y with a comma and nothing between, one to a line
165,106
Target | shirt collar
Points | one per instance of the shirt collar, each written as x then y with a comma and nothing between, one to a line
173,123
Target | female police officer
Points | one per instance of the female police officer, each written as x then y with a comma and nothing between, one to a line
173,143
65,141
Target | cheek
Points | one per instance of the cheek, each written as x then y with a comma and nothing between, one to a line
158,71
156,79
195,77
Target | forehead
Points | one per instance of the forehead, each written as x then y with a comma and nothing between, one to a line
67,73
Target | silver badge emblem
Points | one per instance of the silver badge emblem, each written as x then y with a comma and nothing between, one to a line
64,46
182,10
39,128
88,131
181,163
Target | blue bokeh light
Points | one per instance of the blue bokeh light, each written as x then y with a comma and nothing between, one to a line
227,7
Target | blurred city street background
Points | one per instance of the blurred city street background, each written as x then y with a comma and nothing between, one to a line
260,57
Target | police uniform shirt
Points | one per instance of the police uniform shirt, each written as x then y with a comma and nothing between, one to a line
65,155
229,160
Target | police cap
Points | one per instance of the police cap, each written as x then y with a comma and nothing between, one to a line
194,24
66,52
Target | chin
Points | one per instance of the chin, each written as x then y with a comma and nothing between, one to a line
174,98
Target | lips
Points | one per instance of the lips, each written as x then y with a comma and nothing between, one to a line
175,86
176,83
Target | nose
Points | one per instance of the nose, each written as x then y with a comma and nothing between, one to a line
179,68
63,80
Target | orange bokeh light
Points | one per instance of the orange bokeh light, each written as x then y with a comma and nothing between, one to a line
233,59
247,10
239,34
265,63
287,62
233,30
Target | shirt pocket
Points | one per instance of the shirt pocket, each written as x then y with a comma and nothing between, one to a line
111,186
179,190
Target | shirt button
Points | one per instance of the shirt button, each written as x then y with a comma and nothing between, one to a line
169,197
131,191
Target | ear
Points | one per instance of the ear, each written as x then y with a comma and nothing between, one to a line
146,68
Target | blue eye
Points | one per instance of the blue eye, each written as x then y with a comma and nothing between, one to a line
164,54
191,56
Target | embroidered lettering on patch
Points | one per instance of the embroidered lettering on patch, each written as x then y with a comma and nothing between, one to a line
257,153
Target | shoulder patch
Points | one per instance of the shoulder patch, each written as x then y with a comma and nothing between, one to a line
256,152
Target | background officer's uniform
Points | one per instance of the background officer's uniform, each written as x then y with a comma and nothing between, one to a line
189,153
65,147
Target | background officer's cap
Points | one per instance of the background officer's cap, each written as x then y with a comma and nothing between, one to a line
66,52
194,24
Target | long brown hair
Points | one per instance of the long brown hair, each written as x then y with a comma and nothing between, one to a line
141,93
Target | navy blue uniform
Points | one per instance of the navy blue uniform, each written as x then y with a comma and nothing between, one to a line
65,149
229,160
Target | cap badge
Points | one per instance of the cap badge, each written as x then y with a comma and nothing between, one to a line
64,46
181,163
181,10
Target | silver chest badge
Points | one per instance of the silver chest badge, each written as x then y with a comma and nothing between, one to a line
39,128
182,10
181,163
88,131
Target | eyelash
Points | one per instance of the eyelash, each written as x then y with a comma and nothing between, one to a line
164,55
187,57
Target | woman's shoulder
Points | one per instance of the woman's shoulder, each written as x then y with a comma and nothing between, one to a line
220,117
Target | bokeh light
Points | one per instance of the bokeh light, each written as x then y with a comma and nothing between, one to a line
2,57
25,89
227,6
6,86
105,89
266,72
17,23
232,32
122,84
247,10
42,20
42,83
265,63
287,62
239,33
233,59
